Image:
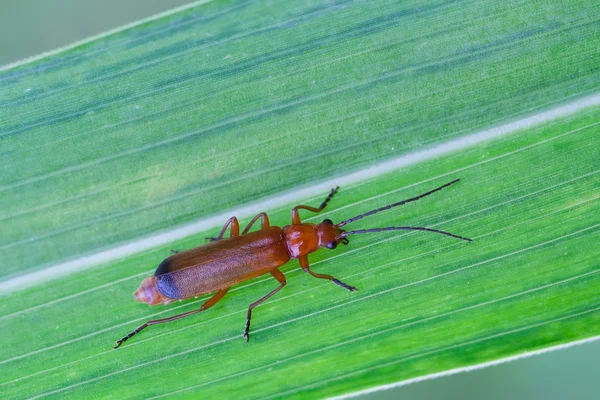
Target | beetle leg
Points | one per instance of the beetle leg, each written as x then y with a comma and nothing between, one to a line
208,304
234,230
264,222
296,215
174,251
304,264
277,274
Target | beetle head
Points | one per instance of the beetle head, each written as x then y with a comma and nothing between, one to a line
329,235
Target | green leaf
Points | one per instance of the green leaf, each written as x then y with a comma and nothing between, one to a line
215,108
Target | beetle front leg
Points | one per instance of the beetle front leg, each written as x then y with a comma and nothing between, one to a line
305,266
296,214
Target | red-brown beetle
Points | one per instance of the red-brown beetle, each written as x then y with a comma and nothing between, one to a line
223,263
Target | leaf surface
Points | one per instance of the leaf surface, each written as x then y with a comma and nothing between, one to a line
227,103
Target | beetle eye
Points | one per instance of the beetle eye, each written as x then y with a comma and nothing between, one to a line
328,221
331,245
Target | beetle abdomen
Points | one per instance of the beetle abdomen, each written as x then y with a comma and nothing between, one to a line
149,293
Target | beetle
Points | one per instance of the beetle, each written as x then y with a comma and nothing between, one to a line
224,262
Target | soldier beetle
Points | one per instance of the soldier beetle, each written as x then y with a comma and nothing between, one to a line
224,262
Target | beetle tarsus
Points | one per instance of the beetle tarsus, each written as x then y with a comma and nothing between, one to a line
345,286
329,197
247,331
124,338
211,239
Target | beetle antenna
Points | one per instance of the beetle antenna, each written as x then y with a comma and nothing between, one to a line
395,204
401,228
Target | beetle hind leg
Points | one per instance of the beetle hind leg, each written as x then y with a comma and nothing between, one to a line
208,304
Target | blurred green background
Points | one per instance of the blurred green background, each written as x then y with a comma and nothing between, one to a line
31,27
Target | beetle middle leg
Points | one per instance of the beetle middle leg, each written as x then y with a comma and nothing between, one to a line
305,266
208,304
234,229
264,222
296,214
277,274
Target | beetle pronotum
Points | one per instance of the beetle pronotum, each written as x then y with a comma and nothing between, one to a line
224,262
